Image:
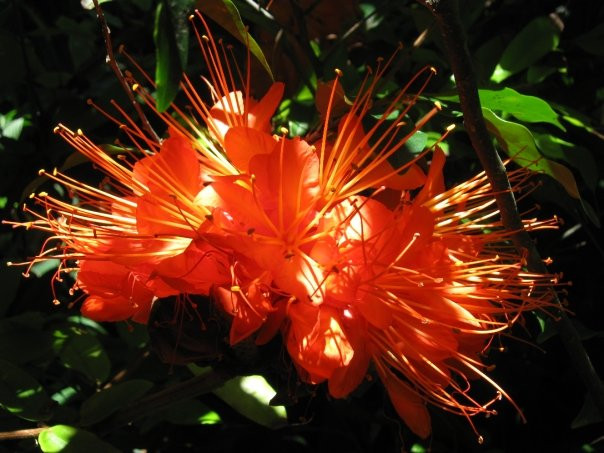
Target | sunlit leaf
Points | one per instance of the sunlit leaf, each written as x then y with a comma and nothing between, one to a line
21,394
539,37
250,396
224,12
68,439
82,351
529,109
104,403
519,144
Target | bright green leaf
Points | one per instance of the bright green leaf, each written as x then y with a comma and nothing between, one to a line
68,439
250,396
519,144
539,37
104,403
529,109
82,351
418,448
21,394
225,13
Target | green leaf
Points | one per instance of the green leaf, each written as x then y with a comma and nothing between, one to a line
250,396
104,403
539,37
82,351
68,439
171,36
189,412
225,13
519,144
21,394
529,109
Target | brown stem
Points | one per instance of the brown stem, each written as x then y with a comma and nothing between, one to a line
21,433
446,13
111,61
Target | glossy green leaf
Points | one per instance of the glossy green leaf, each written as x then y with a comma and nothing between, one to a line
68,439
104,403
539,37
250,396
21,394
82,351
529,109
225,13
519,144
171,36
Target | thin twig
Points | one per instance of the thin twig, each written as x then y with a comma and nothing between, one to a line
111,61
21,434
446,13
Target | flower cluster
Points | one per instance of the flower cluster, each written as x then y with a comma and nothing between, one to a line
361,266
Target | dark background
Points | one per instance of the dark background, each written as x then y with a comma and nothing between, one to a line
52,60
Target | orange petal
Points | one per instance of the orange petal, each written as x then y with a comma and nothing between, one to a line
261,113
408,405
242,143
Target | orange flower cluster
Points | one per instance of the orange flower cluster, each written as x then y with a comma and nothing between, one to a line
362,267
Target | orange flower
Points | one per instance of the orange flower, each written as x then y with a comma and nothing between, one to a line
316,237
418,291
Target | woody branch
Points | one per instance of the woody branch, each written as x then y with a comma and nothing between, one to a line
446,14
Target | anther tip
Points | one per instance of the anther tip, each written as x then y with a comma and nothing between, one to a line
338,72
283,130
41,172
